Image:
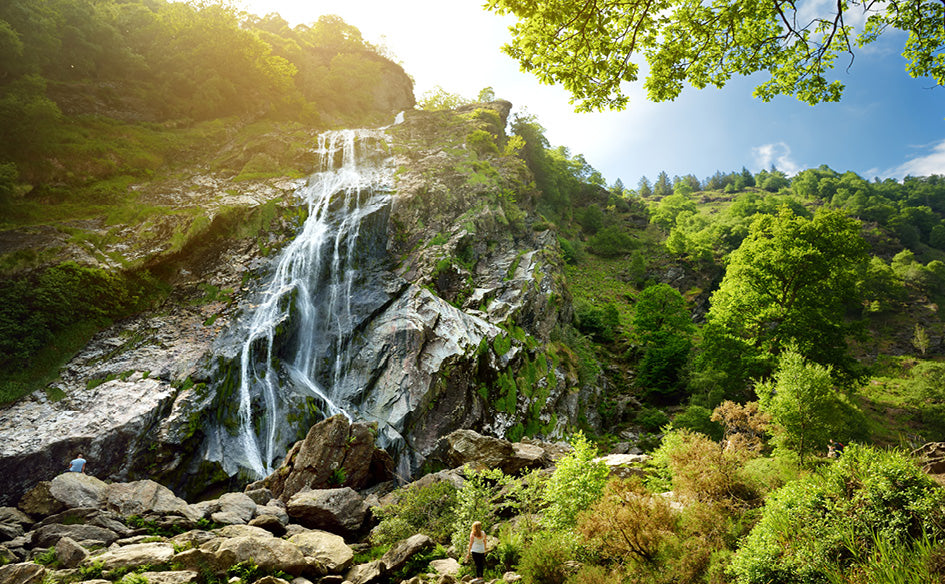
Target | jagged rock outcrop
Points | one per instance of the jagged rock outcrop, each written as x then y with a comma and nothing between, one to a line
334,453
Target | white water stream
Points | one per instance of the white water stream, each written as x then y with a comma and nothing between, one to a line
311,294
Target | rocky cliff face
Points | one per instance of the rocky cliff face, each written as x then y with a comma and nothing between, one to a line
460,332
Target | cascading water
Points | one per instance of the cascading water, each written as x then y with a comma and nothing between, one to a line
296,339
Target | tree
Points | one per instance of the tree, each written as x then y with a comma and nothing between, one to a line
802,403
486,94
662,187
663,326
788,282
577,482
591,48
644,188
440,99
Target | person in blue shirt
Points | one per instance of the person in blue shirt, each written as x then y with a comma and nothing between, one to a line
78,464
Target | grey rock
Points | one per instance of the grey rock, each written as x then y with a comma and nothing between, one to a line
238,504
171,577
48,535
69,553
269,553
275,508
366,573
324,549
227,518
10,531
38,502
339,511
401,552
624,465
13,516
143,497
260,496
25,573
242,531
445,566
76,489
270,523
331,449
131,556
88,516
270,580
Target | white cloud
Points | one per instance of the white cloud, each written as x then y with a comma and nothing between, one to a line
778,154
925,165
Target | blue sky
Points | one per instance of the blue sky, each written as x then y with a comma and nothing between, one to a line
887,124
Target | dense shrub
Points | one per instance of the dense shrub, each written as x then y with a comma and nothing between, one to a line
702,470
611,241
546,559
601,322
34,308
808,525
577,482
421,509
698,419
628,524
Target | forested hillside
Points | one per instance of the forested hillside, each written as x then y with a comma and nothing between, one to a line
114,89
116,117
692,290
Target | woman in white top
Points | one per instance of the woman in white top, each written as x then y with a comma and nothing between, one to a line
477,547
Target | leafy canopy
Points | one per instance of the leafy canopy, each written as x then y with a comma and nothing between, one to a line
591,47
787,283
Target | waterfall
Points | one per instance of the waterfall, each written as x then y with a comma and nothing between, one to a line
297,335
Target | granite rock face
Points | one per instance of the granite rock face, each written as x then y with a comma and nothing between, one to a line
455,332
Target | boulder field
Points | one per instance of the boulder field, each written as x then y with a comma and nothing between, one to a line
293,526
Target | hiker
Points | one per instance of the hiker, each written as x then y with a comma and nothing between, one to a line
77,464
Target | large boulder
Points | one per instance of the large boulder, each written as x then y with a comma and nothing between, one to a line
133,556
334,453
26,573
325,549
467,447
86,535
69,553
269,553
340,511
366,573
143,498
76,489
89,516
38,502
401,552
